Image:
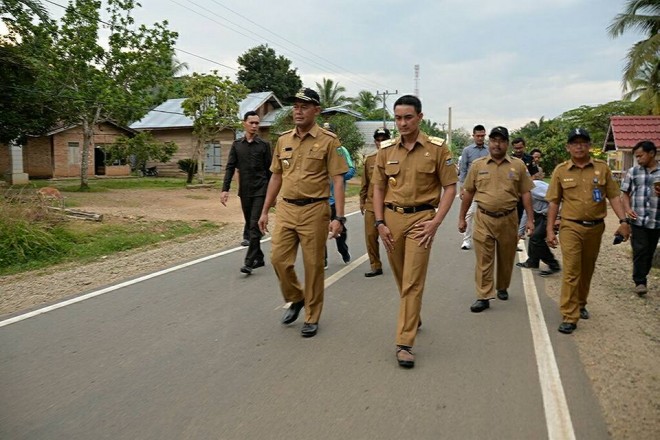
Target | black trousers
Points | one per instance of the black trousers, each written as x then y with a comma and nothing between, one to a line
342,247
538,249
643,241
252,207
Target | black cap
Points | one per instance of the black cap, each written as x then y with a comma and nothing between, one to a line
499,131
578,132
382,132
309,95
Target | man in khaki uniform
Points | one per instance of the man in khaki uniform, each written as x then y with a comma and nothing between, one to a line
496,182
580,185
413,176
367,206
304,160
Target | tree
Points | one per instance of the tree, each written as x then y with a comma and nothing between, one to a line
261,70
331,93
140,148
347,132
645,87
98,80
431,128
644,56
213,104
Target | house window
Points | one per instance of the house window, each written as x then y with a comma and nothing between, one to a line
74,153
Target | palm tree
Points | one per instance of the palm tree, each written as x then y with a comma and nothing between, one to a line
645,87
331,93
644,16
37,8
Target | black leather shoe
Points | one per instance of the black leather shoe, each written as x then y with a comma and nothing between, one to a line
527,265
258,264
246,270
584,313
503,295
291,314
309,330
245,243
567,327
479,305
405,356
374,273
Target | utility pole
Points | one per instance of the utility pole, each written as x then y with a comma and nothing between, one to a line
384,95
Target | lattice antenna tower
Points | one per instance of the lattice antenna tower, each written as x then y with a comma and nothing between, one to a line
417,80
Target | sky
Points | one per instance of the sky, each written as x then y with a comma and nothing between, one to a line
494,62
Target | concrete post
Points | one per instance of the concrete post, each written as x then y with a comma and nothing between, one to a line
16,176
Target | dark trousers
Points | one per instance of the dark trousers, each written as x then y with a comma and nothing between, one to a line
538,249
342,247
644,241
252,207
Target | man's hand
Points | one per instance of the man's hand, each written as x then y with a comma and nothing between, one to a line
224,196
529,227
335,229
624,230
632,214
426,234
263,223
386,237
462,225
551,238
362,208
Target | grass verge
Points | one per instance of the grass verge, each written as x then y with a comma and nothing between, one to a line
31,238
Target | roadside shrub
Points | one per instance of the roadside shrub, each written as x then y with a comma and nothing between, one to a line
23,241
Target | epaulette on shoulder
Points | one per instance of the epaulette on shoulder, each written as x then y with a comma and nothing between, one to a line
436,141
600,161
387,143
286,132
373,153
329,133
479,159
564,163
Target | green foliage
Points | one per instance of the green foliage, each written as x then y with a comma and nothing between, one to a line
189,167
641,75
143,147
213,104
431,128
348,133
331,93
282,123
261,70
96,76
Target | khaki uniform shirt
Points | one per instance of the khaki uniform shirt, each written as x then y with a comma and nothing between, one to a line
573,187
496,187
307,163
415,177
367,188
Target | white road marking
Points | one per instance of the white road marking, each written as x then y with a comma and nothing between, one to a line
96,293
557,416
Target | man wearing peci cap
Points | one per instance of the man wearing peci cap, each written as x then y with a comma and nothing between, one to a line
414,175
305,159
496,182
367,206
580,185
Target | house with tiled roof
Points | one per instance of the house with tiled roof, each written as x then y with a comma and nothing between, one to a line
623,134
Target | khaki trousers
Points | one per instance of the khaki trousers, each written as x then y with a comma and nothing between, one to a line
495,241
579,249
371,239
308,226
409,263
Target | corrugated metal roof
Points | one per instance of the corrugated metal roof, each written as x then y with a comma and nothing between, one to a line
626,131
170,114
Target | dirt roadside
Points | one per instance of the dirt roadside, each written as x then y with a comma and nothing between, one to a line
619,346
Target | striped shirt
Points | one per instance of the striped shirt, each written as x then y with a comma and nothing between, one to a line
638,183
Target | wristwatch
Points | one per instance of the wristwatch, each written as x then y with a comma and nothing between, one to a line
378,223
341,220
624,220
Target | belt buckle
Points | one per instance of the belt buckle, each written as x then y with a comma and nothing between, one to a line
588,223
399,209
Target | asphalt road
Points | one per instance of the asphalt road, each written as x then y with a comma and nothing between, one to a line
199,353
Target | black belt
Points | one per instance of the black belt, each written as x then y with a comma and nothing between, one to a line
303,202
497,214
586,222
409,209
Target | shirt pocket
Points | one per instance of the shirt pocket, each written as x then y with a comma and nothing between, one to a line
568,186
482,182
392,169
315,160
